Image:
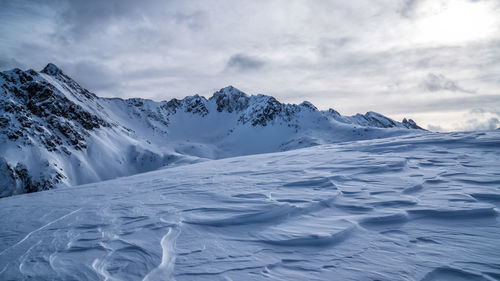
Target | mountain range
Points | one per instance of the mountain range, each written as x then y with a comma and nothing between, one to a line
55,133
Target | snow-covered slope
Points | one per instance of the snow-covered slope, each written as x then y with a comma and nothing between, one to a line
404,208
55,133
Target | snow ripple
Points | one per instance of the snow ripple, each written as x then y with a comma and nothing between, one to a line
410,208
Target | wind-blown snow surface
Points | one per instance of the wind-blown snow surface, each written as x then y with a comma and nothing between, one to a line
417,207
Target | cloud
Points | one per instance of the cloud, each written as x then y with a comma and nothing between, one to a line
481,119
333,53
194,20
482,125
407,7
438,82
10,63
93,75
77,20
435,128
242,62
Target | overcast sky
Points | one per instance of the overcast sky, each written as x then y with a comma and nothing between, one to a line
436,61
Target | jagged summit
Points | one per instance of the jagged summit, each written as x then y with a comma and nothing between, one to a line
55,133
230,90
51,69
308,105
230,99
411,124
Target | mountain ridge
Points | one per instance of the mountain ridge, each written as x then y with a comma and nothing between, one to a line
56,133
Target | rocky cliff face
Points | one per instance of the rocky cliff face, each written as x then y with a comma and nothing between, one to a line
55,133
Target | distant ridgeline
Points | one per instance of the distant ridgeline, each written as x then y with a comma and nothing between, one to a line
55,133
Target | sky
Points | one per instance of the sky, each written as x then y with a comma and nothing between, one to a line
435,61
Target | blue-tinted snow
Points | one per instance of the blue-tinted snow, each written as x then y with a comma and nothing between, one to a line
407,208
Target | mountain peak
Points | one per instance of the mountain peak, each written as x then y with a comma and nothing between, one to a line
230,99
410,124
308,105
52,69
230,90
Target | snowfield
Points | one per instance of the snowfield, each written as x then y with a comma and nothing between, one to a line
421,206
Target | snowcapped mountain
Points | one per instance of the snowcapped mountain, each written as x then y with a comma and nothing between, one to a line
55,133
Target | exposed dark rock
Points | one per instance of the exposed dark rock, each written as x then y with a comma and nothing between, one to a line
230,99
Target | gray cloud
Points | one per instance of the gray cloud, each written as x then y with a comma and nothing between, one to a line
194,20
9,63
92,74
77,20
242,62
471,124
435,128
438,82
480,119
333,53
407,7
482,125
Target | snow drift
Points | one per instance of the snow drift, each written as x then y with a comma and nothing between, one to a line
420,207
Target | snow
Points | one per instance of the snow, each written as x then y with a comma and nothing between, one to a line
235,187
54,133
408,207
